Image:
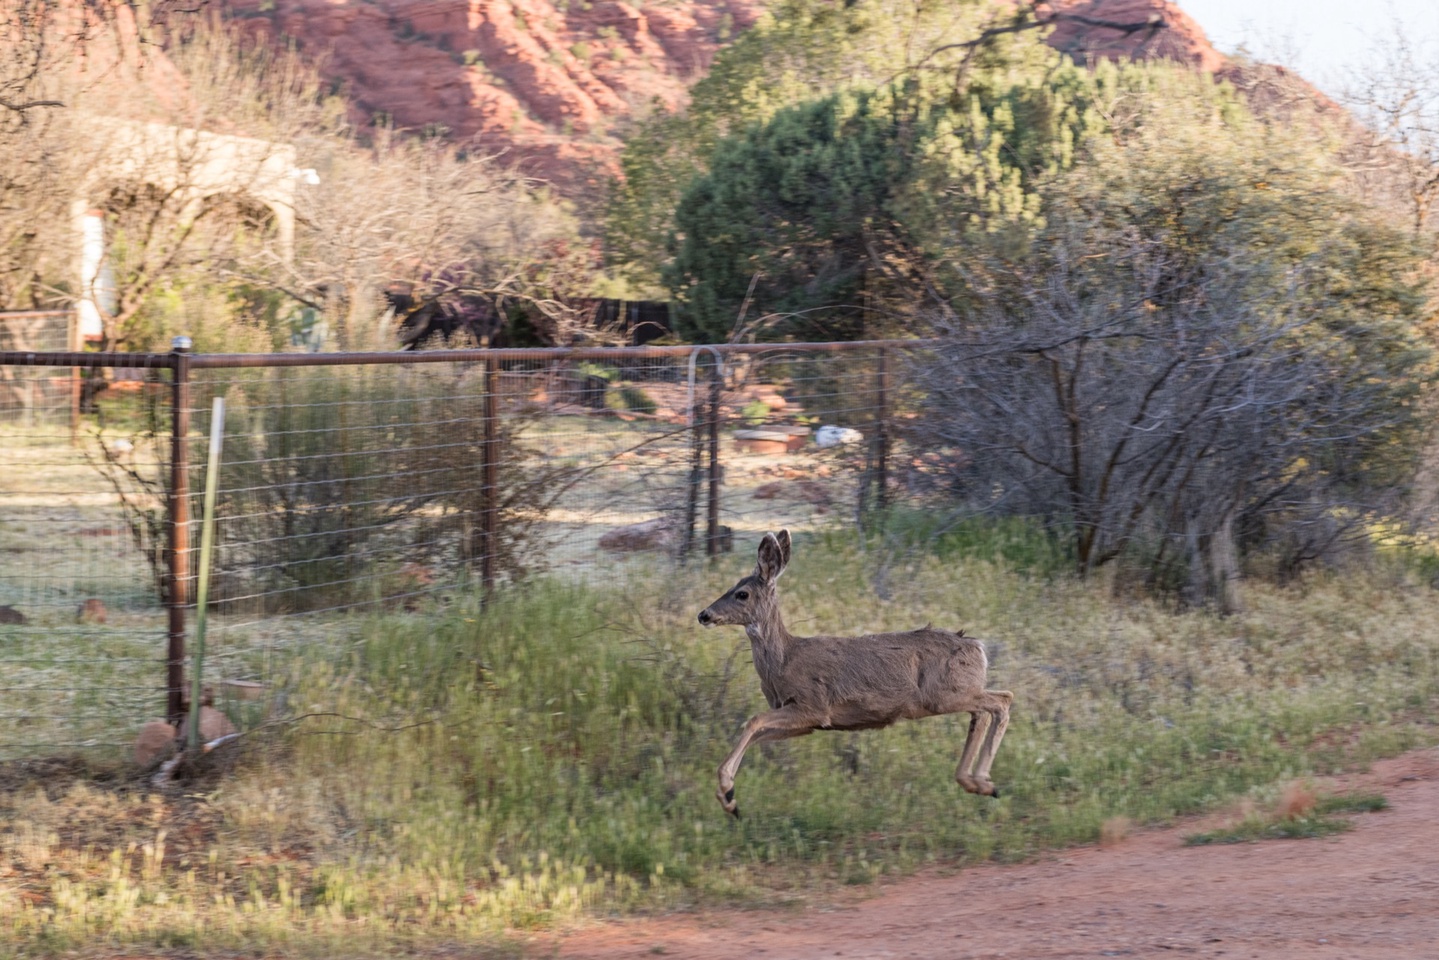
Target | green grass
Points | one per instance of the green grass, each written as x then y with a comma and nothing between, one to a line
1319,821
1022,544
1290,828
554,756
1351,803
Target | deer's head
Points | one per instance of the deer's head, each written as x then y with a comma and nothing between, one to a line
755,597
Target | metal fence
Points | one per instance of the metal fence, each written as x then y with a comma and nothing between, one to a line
32,394
356,483
79,618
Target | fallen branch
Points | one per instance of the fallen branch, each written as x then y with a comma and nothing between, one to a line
1154,22
167,769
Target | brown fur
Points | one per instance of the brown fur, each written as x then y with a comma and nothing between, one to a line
855,683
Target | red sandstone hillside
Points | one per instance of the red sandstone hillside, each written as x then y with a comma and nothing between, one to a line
550,81
546,80
1180,38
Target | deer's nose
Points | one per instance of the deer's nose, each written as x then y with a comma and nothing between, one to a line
706,617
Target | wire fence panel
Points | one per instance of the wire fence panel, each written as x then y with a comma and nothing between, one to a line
32,395
41,331
356,485
81,659
800,438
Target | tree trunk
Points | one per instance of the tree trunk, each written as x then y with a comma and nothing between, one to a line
1213,577
1224,566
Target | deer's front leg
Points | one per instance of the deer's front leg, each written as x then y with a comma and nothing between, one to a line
778,724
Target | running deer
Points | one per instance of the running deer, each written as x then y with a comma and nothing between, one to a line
855,683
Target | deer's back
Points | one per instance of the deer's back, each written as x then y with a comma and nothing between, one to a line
876,679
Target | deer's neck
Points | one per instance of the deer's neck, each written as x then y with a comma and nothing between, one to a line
768,639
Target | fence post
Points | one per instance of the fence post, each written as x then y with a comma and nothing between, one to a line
712,538
178,548
75,343
696,471
490,478
881,454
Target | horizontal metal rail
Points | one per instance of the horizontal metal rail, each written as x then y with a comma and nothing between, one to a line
229,361
134,361
32,314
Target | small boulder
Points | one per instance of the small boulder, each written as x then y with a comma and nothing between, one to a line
657,534
798,488
213,725
811,492
830,436
154,742
769,491
92,611
10,615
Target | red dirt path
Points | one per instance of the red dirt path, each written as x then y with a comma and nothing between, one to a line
1371,892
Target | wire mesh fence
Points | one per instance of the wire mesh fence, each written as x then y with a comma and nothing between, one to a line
33,395
355,484
81,623
40,331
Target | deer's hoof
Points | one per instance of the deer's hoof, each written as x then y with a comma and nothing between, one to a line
980,785
726,799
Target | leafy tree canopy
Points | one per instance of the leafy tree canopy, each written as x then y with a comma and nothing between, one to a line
860,195
798,51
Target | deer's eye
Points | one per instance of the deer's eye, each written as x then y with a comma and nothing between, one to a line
741,594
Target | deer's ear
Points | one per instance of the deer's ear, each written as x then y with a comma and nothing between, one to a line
782,538
772,558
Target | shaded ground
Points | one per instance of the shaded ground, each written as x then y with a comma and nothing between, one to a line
1372,892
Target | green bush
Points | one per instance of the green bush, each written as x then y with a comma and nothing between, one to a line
335,479
637,401
1022,544
755,412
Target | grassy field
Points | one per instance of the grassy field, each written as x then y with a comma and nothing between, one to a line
451,775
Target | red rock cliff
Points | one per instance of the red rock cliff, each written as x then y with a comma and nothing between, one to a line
549,81
1175,35
546,80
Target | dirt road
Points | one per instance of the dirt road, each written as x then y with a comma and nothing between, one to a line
1371,892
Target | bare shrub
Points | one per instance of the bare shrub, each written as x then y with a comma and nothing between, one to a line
1208,348
226,165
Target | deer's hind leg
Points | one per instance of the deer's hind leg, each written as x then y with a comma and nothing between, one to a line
978,726
988,719
1000,701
